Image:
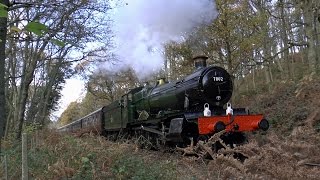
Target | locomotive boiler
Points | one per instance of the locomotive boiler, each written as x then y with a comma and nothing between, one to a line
174,111
210,85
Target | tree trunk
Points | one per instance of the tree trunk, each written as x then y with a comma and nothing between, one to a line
267,53
28,77
11,90
308,16
3,38
266,73
271,75
284,37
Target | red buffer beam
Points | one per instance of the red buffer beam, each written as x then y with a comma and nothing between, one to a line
235,123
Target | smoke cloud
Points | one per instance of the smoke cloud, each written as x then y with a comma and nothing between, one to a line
142,27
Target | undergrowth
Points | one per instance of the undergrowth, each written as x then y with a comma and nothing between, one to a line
58,156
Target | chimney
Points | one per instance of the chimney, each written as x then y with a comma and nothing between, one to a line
200,61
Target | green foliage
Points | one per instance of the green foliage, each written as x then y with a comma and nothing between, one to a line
37,28
86,167
3,11
85,170
40,30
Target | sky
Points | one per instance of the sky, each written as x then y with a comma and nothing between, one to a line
73,90
141,28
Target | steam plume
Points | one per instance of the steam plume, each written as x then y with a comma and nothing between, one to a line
142,27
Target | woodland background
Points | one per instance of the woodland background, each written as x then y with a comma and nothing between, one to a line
38,39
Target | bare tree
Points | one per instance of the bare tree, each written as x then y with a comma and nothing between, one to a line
39,60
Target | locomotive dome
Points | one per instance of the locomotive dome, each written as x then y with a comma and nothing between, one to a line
200,61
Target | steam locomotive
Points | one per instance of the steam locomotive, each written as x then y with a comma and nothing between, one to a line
195,107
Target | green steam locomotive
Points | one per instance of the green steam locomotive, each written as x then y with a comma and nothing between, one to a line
190,108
